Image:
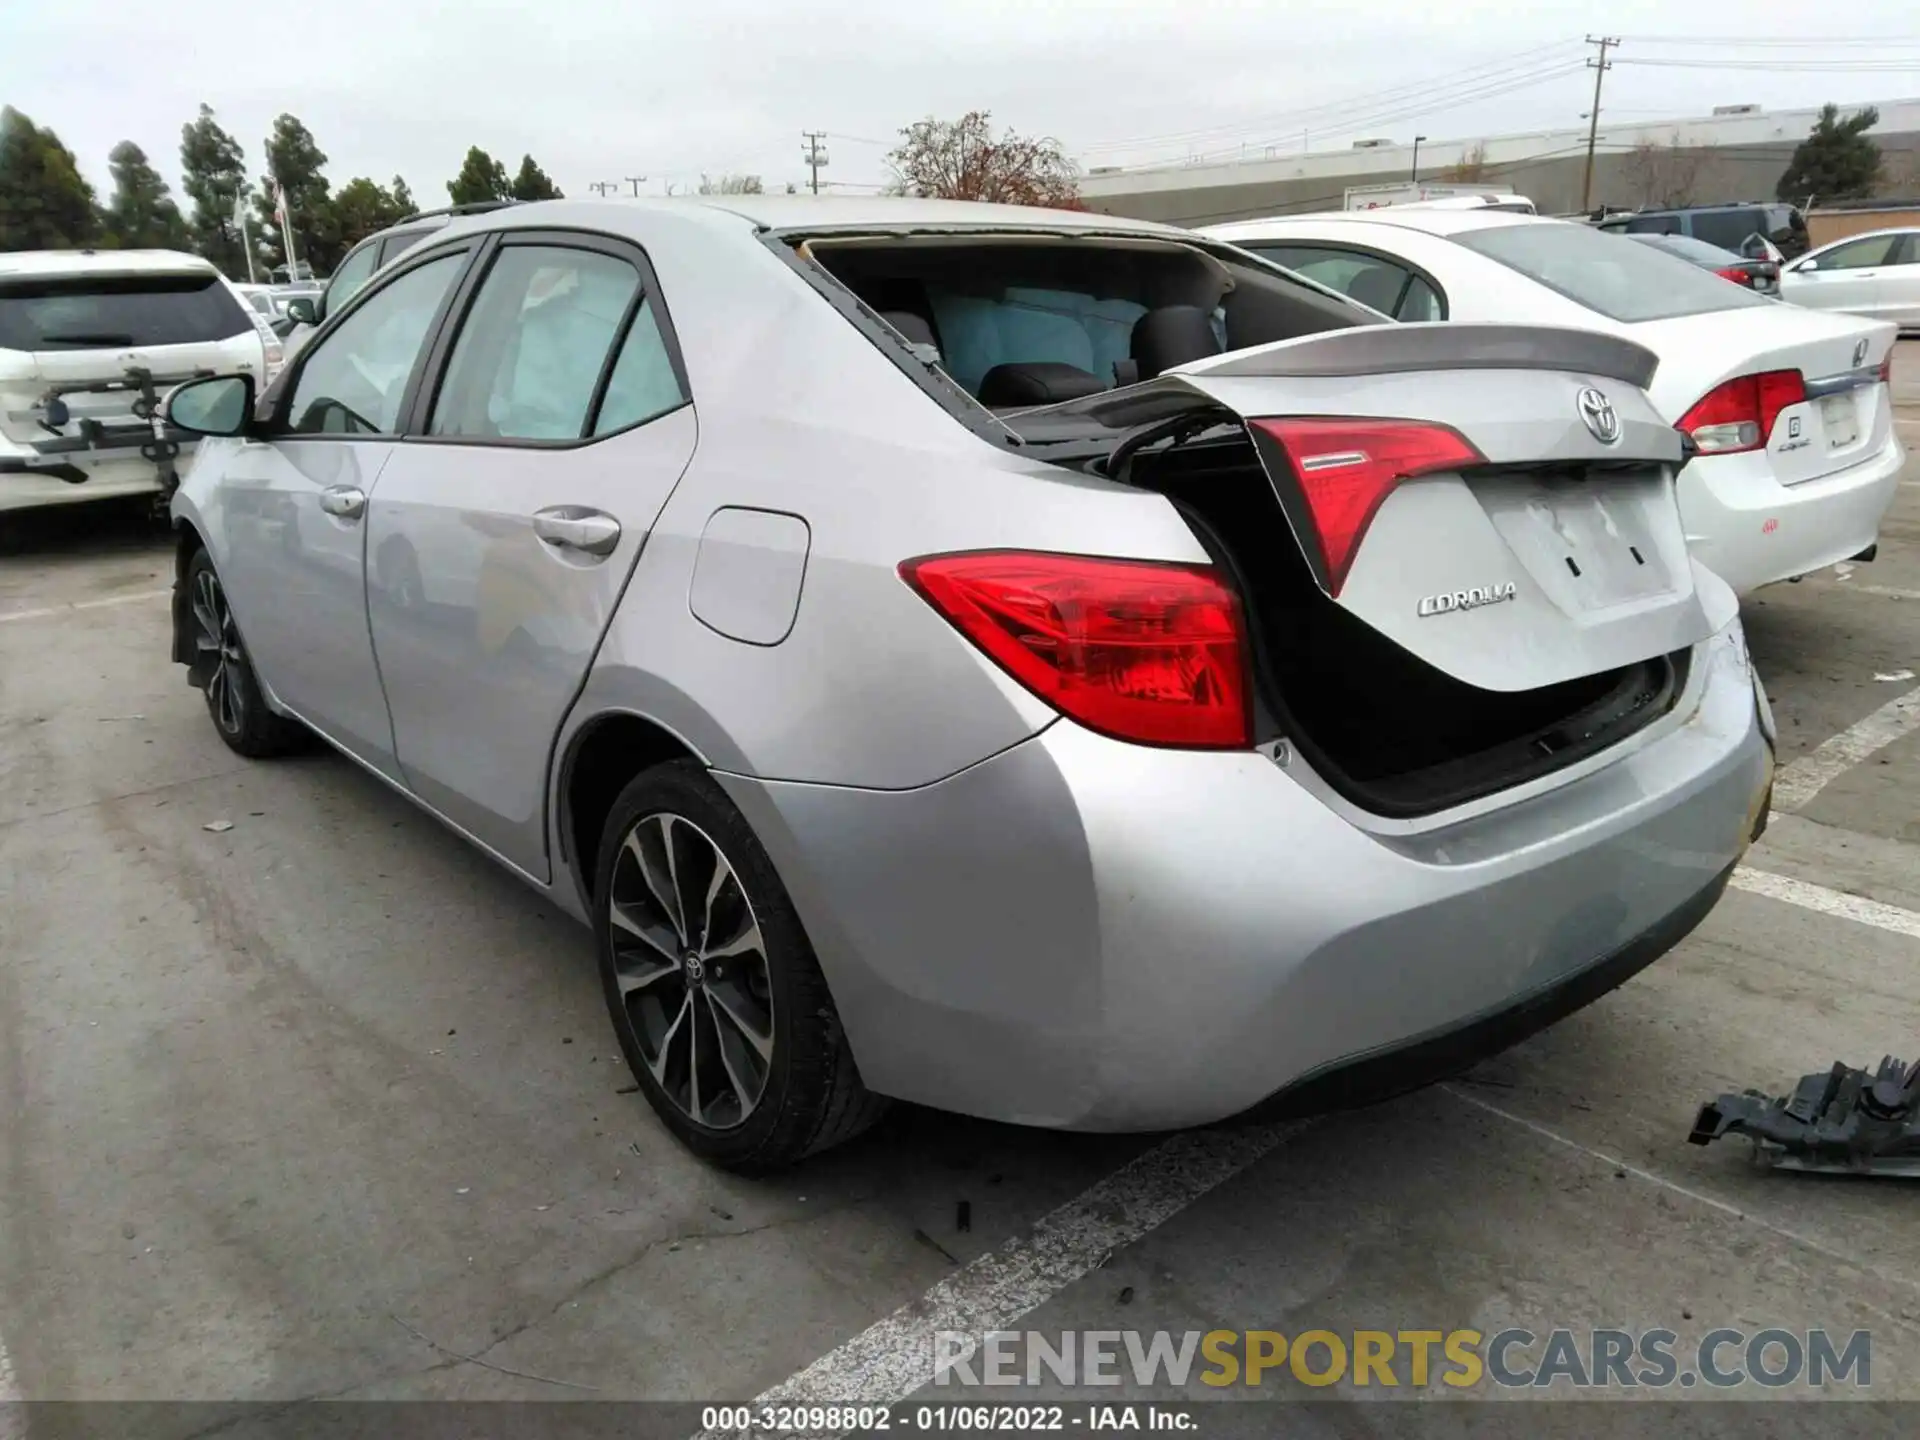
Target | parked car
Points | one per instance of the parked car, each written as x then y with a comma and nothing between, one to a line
1876,274
1731,227
938,716
1760,276
1788,411
359,263
89,344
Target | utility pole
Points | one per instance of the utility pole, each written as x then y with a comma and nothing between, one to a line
1415,176
816,155
636,181
603,188
1599,68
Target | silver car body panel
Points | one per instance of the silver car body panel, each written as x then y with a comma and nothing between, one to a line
1018,919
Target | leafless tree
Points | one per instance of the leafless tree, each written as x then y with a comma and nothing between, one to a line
1663,175
963,160
1469,168
730,185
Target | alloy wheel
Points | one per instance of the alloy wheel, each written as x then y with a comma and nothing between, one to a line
215,634
692,970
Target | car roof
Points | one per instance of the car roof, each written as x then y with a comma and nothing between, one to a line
18,264
1870,234
803,214
1433,222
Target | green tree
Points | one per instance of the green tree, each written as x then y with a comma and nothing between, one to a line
141,214
533,183
402,197
1836,162
295,163
213,172
360,207
481,177
45,202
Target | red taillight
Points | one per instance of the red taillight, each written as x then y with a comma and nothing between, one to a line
1145,652
1885,371
1348,467
1739,414
1738,276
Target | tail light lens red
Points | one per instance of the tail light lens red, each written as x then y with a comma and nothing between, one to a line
1733,273
1739,414
1348,467
1886,367
1146,652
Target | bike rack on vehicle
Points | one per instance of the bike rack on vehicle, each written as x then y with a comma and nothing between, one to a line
157,441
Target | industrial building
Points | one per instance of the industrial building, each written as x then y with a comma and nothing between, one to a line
1736,153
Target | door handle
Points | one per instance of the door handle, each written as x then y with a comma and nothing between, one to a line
575,527
345,501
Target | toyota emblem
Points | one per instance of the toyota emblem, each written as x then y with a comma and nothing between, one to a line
1602,421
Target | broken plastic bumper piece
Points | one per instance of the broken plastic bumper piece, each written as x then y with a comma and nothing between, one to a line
1843,1121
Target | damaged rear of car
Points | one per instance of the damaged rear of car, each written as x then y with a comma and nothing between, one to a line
89,344
1429,732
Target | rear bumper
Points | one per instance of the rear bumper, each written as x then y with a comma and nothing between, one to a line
1728,502
1081,933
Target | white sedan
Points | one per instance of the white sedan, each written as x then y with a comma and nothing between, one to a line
1876,274
1795,456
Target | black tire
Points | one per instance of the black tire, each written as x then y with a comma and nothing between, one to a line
811,1096
234,703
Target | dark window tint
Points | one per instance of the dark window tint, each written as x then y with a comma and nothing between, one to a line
1698,251
352,381
530,355
1624,282
1730,229
1653,225
133,310
399,244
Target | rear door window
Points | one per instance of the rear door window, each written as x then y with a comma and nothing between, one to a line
1623,282
1373,280
1861,254
1653,225
122,311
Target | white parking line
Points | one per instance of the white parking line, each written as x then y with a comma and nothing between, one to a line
892,1359
1699,1197
1802,779
1890,591
1809,896
45,611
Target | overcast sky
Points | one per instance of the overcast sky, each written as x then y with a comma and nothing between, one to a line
601,92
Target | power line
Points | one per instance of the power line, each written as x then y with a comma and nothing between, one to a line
1322,114
1784,67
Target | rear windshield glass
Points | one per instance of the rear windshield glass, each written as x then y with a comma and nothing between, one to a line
1697,251
90,312
1608,273
1729,229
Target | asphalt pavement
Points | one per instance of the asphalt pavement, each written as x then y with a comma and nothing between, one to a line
323,1104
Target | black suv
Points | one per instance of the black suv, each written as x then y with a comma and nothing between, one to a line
1728,226
373,252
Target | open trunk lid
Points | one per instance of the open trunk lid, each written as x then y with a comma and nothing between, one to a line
1543,547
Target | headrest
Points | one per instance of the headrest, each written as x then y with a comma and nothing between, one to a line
915,330
1172,335
1040,382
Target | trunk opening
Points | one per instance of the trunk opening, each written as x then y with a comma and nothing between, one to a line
1391,732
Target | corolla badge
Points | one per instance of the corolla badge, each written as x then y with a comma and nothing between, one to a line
1859,354
1603,423
1471,599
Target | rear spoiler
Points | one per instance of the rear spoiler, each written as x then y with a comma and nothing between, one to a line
1438,345
1367,350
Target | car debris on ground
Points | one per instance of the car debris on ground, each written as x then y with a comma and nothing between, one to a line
1842,1121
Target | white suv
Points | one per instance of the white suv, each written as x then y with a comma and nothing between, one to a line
89,343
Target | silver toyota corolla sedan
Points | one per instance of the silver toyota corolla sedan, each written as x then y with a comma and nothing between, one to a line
1038,665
